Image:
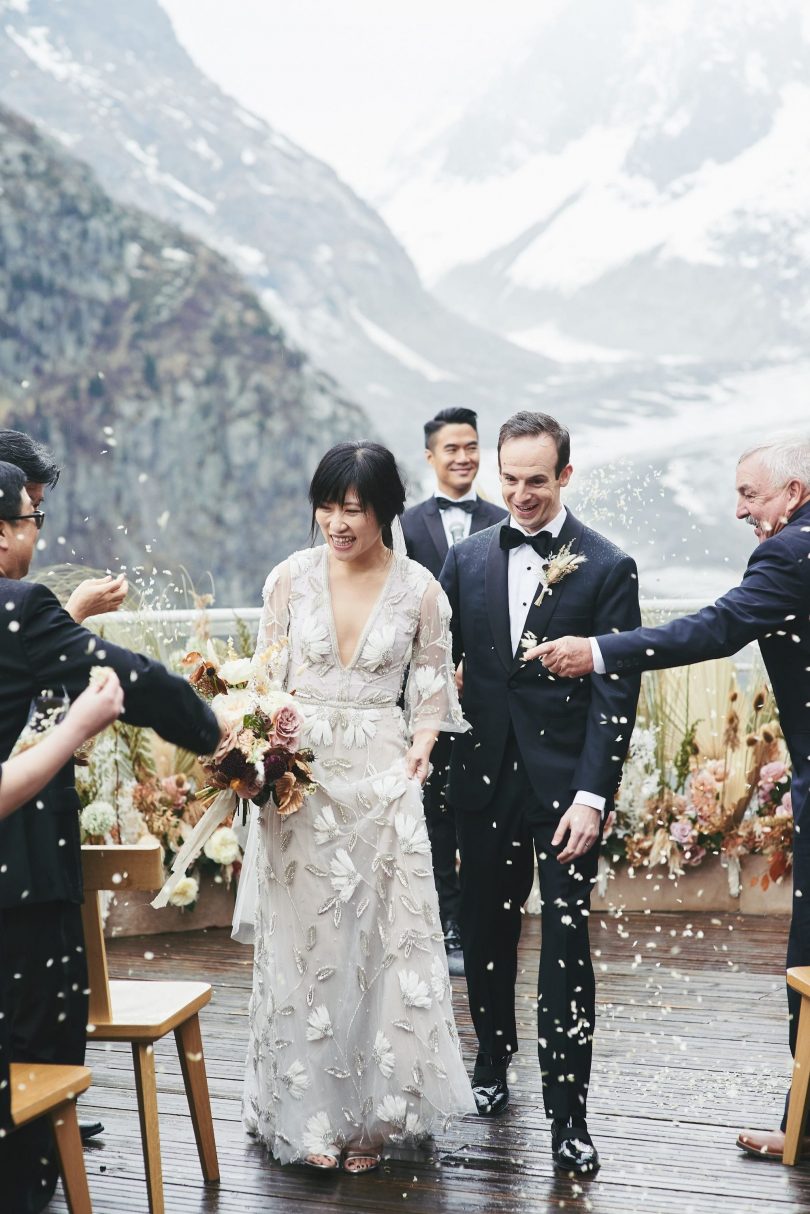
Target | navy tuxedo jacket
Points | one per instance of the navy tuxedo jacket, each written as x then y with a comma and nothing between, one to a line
571,734
425,539
41,647
772,606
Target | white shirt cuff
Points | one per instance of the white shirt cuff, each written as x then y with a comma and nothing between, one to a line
598,661
590,798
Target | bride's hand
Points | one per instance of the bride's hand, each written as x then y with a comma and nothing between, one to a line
417,759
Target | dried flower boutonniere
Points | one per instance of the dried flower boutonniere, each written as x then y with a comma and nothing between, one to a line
560,566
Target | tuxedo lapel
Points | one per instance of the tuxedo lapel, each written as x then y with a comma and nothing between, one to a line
478,518
435,527
496,589
539,618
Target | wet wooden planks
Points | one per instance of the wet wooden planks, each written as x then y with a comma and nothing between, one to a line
690,1047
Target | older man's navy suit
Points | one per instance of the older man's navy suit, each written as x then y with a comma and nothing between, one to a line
771,606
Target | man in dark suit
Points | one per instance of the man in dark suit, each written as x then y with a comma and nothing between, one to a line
772,606
44,966
538,771
452,512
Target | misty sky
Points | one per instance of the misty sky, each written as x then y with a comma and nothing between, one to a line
345,80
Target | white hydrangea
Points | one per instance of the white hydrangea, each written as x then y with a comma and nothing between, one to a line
640,777
186,892
97,818
223,846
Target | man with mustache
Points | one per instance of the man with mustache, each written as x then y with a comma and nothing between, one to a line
771,606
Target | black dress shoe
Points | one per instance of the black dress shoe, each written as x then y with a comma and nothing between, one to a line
572,1149
89,1129
491,1097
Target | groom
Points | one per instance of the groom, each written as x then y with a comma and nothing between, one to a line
538,771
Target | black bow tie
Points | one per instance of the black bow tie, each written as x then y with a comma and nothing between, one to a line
512,538
468,505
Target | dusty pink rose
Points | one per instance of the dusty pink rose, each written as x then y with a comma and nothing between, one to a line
682,832
694,855
287,726
770,775
785,807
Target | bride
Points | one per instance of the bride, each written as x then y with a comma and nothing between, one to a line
353,1045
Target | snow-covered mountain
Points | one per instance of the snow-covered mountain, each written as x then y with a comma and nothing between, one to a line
112,82
634,187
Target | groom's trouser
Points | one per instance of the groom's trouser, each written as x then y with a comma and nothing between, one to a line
441,826
497,865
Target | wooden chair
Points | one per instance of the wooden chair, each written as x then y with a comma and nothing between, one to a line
143,1012
41,1089
799,979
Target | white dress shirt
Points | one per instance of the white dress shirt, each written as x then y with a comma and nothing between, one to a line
456,523
526,571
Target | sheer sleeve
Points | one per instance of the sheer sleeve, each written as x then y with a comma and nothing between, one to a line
431,699
272,653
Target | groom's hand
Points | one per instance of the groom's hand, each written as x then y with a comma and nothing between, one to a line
581,824
569,657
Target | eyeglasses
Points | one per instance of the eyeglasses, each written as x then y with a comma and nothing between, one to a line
38,516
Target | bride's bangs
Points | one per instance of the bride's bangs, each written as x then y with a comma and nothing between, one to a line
368,469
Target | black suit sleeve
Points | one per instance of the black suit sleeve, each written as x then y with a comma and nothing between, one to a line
612,711
62,653
448,579
770,593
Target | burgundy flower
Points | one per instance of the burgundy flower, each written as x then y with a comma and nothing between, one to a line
275,764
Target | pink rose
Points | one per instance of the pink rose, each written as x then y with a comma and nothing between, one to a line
771,774
287,725
682,832
785,807
694,855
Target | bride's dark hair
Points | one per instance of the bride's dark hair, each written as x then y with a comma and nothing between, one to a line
368,468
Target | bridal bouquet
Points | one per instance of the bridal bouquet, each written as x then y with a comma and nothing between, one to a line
260,759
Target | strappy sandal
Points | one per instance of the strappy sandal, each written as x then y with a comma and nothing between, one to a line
367,1161
314,1161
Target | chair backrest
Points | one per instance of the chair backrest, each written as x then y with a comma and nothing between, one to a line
111,868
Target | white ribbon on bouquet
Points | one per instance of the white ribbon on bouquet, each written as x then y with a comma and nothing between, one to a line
223,805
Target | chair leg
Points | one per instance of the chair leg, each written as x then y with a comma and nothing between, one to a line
797,1109
192,1062
65,1126
146,1085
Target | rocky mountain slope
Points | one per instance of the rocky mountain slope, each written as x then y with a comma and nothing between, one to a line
115,86
187,422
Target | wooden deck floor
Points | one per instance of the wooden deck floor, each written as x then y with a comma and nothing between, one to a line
690,1047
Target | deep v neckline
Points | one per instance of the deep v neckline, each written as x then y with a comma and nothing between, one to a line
372,615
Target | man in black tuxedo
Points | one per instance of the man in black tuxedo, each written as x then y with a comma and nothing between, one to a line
452,512
772,606
538,771
44,969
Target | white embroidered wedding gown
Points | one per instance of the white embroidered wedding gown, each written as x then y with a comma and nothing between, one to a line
352,1037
